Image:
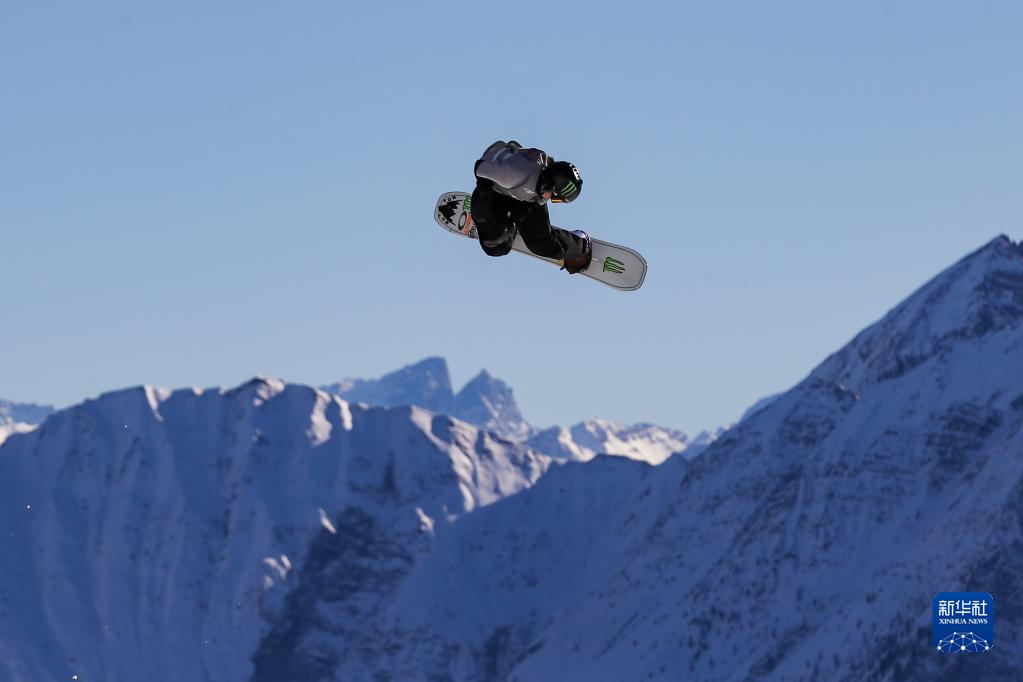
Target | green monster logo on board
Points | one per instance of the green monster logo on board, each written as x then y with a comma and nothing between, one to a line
613,265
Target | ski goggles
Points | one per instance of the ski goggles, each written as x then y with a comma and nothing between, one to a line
567,194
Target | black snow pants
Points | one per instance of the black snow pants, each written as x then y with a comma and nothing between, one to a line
499,218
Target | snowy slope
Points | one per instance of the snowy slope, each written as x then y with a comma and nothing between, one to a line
468,608
157,535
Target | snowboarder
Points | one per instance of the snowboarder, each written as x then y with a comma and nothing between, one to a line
513,186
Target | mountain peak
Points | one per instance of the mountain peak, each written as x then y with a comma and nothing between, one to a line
490,403
977,296
434,365
482,379
1003,241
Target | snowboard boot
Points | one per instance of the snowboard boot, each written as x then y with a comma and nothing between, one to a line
582,261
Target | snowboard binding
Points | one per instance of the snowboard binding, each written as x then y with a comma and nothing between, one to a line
582,261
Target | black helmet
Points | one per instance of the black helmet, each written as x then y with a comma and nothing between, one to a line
564,181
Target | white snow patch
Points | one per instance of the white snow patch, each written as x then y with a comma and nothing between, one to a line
280,566
319,425
269,388
425,522
346,413
424,420
155,396
584,441
468,501
325,522
7,430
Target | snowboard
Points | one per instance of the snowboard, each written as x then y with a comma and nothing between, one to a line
614,265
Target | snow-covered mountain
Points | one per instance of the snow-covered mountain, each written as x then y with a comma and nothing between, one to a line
642,442
20,417
274,532
484,401
174,536
489,403
808,541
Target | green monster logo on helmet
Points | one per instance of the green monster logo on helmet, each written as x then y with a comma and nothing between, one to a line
566,181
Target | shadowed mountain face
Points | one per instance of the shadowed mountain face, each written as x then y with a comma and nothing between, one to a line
274,532
426,383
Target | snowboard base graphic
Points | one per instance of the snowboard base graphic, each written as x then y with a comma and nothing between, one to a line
614,265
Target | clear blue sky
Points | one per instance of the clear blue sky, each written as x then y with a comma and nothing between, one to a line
195,193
